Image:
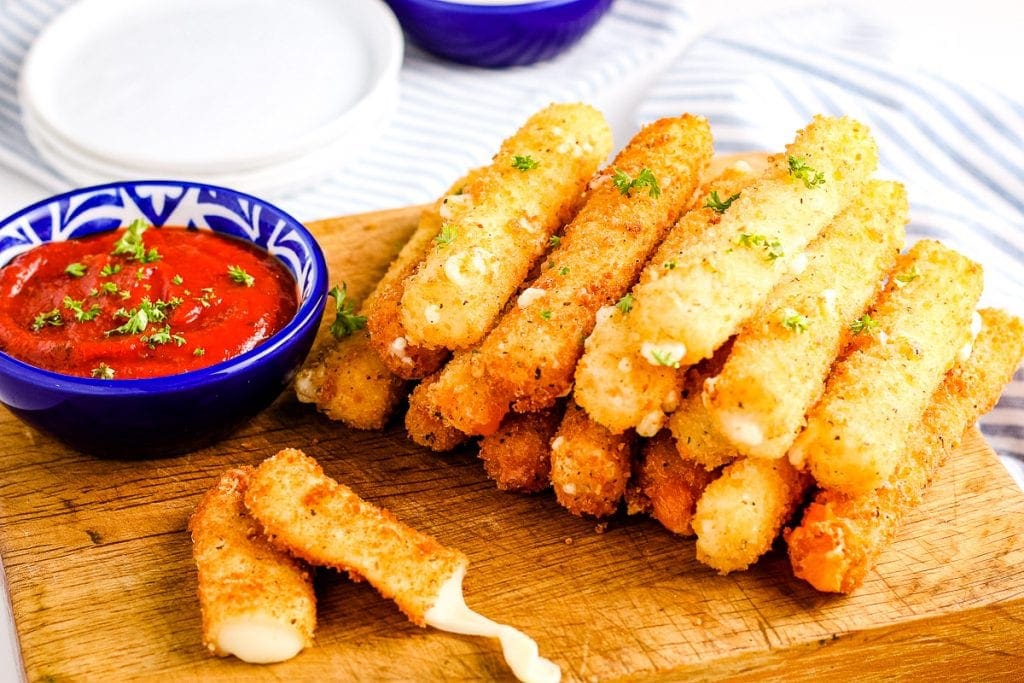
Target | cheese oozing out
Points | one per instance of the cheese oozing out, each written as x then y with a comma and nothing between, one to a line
258,640
450,613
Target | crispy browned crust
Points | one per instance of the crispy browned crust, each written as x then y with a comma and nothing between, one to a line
841,536
518,456
312,516
424,423
590,466
671,485
240,573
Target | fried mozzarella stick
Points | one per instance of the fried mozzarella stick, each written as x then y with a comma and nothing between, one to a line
901,351
670,485
424,423
778,364
531,189
841,536
314,517
530,355
614,383
257,601
741,512
696,437
383,307
590,466
690,301
517,457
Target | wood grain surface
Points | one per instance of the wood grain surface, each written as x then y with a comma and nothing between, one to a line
102,582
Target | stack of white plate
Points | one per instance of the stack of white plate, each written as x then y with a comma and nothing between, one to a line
260,95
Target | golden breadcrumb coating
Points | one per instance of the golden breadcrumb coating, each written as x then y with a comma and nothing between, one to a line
669,484
312,516
841,536
779,361
424,423
518,456
696,436
530,191
880,389
242,577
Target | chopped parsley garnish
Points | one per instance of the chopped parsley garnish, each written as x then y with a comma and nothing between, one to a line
718,205
81,315
106,288
863,324
207,295
139,317
793,321
110,269
798,168
772,247
555,241
446,236
564,270
130,244
670,265
51,318
75,269
523,162
162,336
625,184
238,274
546,314
345,321
907,277
199,351
102,371
625,304
668,357
177,280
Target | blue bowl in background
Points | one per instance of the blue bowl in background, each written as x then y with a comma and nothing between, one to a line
177,413
497,35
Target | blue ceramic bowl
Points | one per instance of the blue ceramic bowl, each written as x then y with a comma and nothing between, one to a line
178,413
497,35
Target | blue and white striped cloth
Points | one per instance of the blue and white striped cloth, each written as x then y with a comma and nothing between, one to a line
958,146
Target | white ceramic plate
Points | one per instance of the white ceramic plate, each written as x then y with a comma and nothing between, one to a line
186,87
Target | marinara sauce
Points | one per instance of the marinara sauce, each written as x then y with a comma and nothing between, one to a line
141,302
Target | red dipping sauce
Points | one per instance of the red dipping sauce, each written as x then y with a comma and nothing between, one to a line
141,302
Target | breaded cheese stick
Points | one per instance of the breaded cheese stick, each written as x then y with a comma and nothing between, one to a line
383,307
531,189
841,536
779,361
883,385
348,382
690,301
424,423
590,466
740,513
614,383
517,457
530,355
696,436
257,602
671,485
311,516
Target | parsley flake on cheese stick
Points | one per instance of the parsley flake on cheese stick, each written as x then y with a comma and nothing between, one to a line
775,373
880,388
841,536
314,517
590,466
257,601
529,356
616,381
456,295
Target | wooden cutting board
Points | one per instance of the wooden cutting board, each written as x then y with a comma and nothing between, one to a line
102,583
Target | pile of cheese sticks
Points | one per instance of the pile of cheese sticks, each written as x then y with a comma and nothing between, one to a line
710,341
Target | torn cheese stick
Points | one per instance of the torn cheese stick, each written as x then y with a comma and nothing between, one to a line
530,355
424,423
778,364
614,382
696,437
531,189
669,484
383,307
314,517
841,536
721,280
740,513
257,602
590,466
348,382
517,457
876,392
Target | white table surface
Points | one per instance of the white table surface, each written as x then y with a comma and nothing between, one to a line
975,41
